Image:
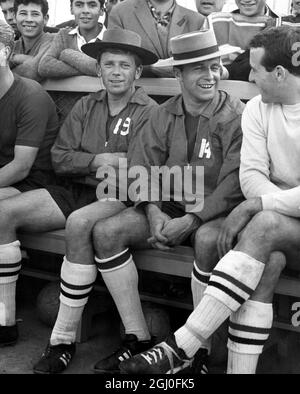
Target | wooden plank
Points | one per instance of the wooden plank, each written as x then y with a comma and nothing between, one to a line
178,262
153,86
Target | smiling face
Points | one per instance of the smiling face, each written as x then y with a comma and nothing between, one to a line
9,13
199,81
30,20
206,7
265,81
86,13
118,70
251,7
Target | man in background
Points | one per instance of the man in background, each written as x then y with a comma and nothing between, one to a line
206,7
31,17
7,7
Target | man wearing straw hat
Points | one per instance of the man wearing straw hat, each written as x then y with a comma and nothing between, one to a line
243,283
198,129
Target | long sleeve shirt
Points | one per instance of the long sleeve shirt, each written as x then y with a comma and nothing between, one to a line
63,58
85,134
163,142
270,155
29,68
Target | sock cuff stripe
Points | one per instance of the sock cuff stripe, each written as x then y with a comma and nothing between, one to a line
201,278
240,300
8,274
117,263
199,270
112,258
234,281
76,287
9,266
246,341
255,330
75,296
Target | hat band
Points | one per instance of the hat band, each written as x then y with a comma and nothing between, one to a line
194,54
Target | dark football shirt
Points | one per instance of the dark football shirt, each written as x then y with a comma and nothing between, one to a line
27,118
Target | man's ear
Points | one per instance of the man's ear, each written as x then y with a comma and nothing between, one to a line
98,70
177,73
46,19
280,73
138,72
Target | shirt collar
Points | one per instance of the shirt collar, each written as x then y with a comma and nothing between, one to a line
75,32
138,97
164,19
175,105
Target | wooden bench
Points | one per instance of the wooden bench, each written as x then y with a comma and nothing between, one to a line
178,262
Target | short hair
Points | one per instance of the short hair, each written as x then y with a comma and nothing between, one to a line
137,59
278,43
7,35
43,3
102,2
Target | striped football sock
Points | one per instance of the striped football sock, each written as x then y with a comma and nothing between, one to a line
121,278
232,283
10,267
199,284
249,329
76,285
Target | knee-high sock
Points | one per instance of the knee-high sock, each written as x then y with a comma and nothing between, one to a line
121,278
10,267
199,284
249,329
232,283
76,284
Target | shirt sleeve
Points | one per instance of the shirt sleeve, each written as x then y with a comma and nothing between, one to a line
286,202
255,160
50,66
33,118
67,155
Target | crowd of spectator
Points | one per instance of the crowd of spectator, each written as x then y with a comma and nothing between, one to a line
57,54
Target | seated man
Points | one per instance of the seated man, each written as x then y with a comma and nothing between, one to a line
237,28
156,21
291,20
8,10
31,17
104,127
198,129
243,282
29,127
207,7
65,58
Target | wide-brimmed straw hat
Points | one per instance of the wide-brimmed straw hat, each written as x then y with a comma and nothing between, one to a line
120,39
195,47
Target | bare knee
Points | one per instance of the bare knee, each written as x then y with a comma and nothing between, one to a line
108,234
8,217
206,254
262,228
78,226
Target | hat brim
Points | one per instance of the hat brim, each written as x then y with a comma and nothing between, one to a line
95,48
224,50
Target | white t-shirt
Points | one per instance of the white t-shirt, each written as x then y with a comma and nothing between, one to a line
270,155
